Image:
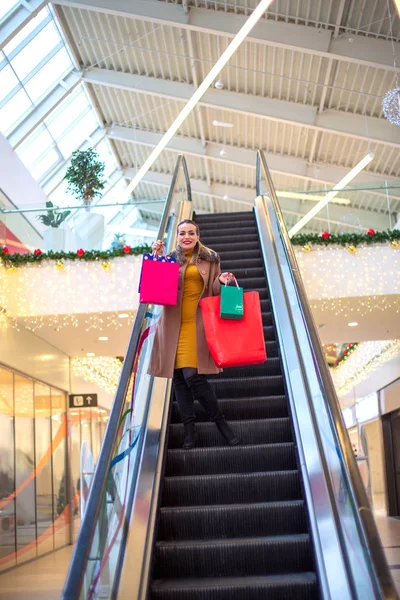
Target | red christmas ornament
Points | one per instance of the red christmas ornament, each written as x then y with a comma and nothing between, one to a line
344,351
371,232
5,250
325,235
37,252
80,252
126,249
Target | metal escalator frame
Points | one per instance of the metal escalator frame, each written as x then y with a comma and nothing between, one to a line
381,582
75,577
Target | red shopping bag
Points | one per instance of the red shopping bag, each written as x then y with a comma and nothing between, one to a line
159,280
234,343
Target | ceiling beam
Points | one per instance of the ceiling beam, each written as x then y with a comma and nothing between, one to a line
298,115
311,40
242,157
246,196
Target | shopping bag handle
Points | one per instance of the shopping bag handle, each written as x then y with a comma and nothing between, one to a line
235,280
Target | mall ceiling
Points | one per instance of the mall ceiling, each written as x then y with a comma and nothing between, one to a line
306,87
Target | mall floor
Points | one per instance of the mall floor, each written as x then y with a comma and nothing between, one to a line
43,579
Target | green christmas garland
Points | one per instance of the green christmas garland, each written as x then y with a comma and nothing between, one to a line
302,239
344,239
86,255
345,353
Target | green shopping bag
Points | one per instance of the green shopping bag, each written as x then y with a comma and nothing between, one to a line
232,302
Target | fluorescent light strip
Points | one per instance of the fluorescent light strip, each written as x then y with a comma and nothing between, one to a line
338,188
310,197
199,93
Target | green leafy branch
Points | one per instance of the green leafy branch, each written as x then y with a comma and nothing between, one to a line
54,218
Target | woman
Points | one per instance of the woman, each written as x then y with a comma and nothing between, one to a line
180,348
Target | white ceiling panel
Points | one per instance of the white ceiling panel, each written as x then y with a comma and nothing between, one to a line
329,87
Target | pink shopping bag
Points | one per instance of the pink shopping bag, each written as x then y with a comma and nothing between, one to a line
159,280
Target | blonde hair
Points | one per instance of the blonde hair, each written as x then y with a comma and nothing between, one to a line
198,250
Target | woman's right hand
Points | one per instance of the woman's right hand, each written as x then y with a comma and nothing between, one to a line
158,247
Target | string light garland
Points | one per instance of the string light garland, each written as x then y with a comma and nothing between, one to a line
347,307
67,293
104,371
367,357
331,272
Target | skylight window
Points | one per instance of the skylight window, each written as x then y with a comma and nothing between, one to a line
12,112
24,35
36,51
31,65
49,75
6,6
8,81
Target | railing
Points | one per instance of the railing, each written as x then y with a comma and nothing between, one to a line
97,560
347,545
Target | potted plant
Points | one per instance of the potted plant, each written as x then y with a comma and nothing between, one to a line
54,236
85,182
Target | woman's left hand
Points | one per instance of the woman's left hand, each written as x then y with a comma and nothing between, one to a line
226,278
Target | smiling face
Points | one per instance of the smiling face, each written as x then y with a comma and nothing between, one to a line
187,236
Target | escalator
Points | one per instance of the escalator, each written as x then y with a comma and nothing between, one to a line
233,522
281,516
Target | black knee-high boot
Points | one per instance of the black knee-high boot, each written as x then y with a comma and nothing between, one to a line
184,398
203,392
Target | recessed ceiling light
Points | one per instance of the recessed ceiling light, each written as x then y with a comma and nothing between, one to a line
226,197
123,316
352,324
103,339
222,152
222,124
219,84
90,354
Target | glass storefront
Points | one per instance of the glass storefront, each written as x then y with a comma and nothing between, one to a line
34,510
87,426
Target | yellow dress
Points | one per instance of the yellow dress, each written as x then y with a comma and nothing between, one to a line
186,354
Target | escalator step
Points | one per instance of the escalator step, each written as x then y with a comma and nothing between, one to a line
222,220
256,386
242,556
243,235
227,254
265,305
249,273
253,283
272,366
232,520
267,318
237,459
252,245
241,263
234,409
250,432
233,488
297,586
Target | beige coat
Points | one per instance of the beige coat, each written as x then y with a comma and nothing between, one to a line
165,345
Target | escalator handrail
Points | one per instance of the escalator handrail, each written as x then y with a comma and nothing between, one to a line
79,561
365,521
